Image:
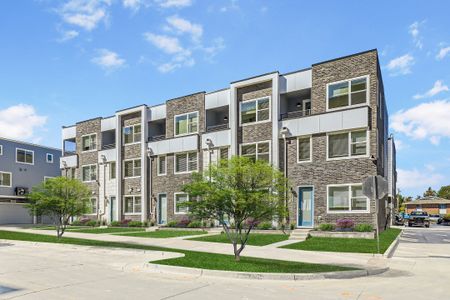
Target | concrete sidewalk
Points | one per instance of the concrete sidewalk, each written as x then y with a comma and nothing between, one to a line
367,261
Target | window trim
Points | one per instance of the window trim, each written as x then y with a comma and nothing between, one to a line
350,211
134,200
123,134
96,206
310,149
48,177
131,159
89,134
1,150
10,179
165,165
185,114
256,143
349,80
89,165
349,142
46,158
175,203
25,163
256,122
187,162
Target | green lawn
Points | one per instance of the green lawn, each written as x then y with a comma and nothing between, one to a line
192,259
107,230
53,227
164,234
255,239
347,244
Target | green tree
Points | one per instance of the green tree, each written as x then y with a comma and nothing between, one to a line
429,192
60,198
239,193
444,192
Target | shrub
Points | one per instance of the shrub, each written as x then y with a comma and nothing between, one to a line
292,226
172,224
195,224
326,227
115,224
364,228
345,224
135,224
91,223
446,218
184,222
77,223
152,223
264,226
125,222
213,224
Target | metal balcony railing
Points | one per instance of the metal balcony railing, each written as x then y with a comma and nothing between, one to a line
216,127
69,153
109,146
295,114
157,138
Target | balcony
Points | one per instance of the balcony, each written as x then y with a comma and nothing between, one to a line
218,127
295,104
109,146
157,130
68,162
217,118
295,114
157,138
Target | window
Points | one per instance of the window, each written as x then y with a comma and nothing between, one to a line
89,142
92,206
347,93
256,151
223,153
89,173
347,198
181,198
255,110
132,134
304,149
72,173
5,179
132,204
186,123
1,150
49,158
347,144
132,168
24,156
186,162
112,170
162,165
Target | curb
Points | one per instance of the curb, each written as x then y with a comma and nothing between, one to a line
390,251
163,269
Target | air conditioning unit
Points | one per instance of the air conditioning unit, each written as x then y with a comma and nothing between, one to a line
21,191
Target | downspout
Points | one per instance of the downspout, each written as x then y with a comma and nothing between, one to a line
104,163
284,132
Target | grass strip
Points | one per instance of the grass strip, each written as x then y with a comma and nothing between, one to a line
192,259
164,234
107,230
255,239
347,244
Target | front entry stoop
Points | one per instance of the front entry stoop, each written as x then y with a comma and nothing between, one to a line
299,234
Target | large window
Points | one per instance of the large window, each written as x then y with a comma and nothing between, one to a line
347,93
89,142
24,156
132,204
347,198
162,165
347,144
179,199
304,149
5,179
255,110
132,168
89,173
186,162
132,134
186,123
256,151
92,209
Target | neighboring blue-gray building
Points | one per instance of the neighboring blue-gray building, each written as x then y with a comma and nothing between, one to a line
22,166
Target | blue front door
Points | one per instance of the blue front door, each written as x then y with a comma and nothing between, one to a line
305,207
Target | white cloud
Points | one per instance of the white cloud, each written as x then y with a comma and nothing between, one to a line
20,121
437,88
174,3
401,65
166,43
68,35
85,13
233,5
414,30
108,60
217,45
443,53
132,4
427,120
181,25
400,145
415,179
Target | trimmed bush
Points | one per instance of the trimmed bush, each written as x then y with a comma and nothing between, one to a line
364,228
326,227
172,224
264,226
184,222
135,224
125,222
115,224
194,224
91,223
77,223
345,224
446,218
292,226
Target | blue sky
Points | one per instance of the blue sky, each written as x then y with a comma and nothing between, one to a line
66,61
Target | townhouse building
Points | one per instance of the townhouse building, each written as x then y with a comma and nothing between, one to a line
22,166
325,127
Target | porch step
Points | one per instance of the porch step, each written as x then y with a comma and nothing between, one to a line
299,234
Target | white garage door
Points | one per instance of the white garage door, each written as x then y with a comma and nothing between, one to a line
12,213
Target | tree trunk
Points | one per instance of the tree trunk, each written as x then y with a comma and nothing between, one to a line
237,253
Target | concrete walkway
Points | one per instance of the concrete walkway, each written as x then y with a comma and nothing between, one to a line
367,261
